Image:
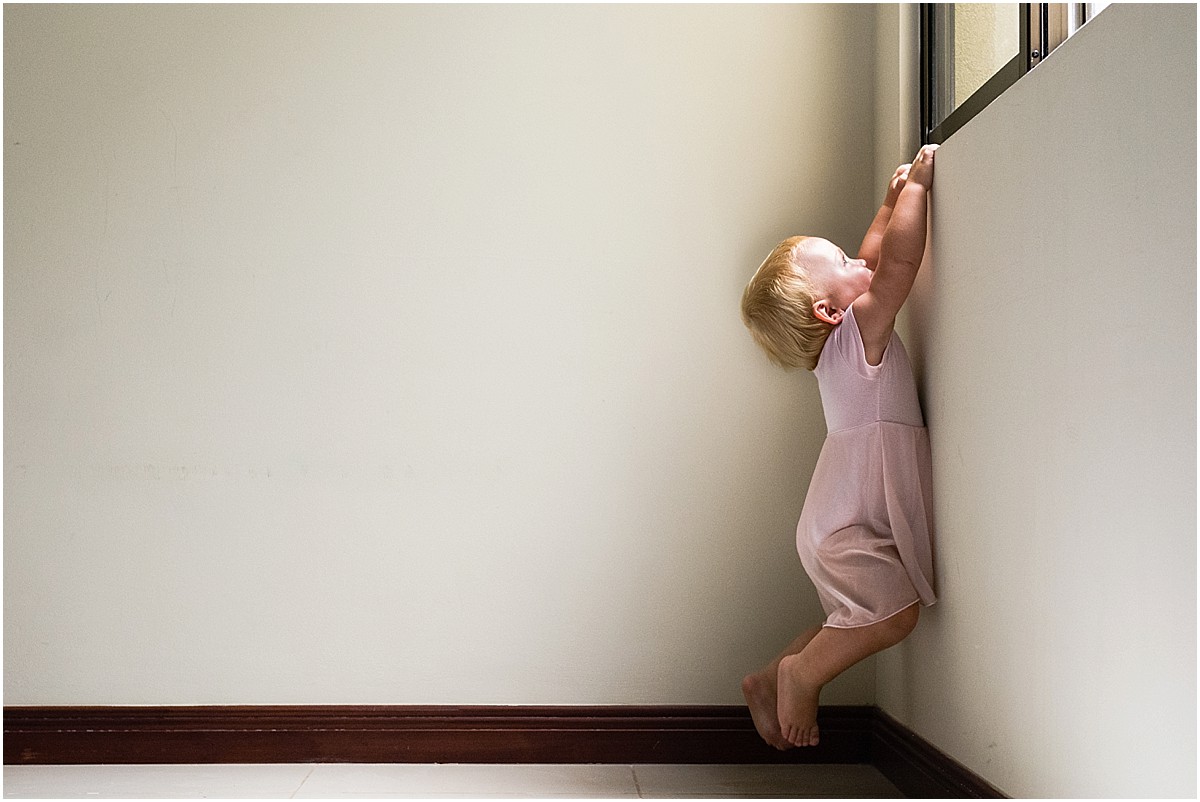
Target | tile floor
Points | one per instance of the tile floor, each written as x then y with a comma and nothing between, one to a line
444,781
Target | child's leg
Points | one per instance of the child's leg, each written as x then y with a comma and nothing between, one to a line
761,691
829,653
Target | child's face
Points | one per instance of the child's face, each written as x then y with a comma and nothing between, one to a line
837,278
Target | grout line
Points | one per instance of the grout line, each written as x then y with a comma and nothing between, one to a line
637,786
302,782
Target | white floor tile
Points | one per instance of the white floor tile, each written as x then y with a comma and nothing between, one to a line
428,781
213,781
398,780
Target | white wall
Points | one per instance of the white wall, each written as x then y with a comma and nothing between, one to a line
391,354
1055,322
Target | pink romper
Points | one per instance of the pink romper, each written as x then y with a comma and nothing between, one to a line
865,533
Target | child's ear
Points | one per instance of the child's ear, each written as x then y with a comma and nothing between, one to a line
827,312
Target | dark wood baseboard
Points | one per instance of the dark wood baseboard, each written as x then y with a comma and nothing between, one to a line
921,770
477,734
408,734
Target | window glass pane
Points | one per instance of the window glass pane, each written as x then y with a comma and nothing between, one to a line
972,42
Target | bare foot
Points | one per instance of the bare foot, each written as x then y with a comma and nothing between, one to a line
760,696
798,702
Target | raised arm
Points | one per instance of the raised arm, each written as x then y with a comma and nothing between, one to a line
901,252
869,250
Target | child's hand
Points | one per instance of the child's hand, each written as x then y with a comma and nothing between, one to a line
899,178
922,167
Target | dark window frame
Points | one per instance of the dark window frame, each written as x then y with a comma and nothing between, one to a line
1042,28
1005,77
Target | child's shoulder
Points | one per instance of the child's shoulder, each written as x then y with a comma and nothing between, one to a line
846,349
872,326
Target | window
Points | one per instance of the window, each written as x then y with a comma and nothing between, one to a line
972,52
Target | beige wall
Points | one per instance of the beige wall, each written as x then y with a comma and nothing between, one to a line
1055,324
391,354
986,37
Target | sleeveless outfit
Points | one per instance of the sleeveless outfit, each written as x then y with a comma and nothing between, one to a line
866,530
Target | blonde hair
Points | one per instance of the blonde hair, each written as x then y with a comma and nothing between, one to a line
777,307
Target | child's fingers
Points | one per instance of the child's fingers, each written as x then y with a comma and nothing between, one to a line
922,169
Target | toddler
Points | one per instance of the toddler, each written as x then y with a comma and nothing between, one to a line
865,531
